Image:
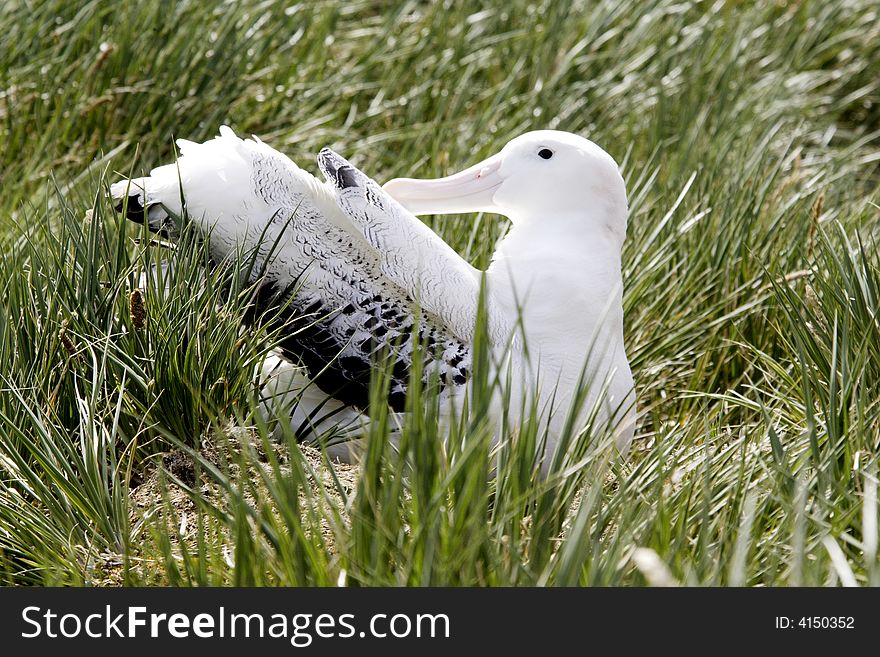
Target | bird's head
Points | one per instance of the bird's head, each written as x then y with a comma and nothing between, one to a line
538,175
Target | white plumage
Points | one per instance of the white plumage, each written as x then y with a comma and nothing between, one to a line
349,274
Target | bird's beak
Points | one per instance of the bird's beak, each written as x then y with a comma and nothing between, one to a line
471,190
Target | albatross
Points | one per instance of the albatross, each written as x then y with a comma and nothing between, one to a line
347,272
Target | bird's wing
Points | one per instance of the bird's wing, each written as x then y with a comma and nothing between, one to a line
337,290
410,253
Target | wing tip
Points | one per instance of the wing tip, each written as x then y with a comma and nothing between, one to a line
119,190
128,197
337,170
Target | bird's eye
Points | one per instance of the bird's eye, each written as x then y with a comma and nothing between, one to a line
545,153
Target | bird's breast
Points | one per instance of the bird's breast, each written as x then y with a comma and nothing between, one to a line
563,305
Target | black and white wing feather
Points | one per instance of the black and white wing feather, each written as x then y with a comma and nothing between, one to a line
348,275
410,254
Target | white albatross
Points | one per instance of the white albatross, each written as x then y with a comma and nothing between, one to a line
348,271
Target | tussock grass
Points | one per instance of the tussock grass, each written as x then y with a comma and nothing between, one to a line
749,136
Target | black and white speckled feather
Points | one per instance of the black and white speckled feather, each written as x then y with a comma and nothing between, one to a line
337,257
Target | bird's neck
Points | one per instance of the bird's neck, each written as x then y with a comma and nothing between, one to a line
562,273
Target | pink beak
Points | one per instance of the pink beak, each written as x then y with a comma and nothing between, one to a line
471,190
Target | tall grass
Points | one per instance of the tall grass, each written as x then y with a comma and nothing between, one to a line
749,136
